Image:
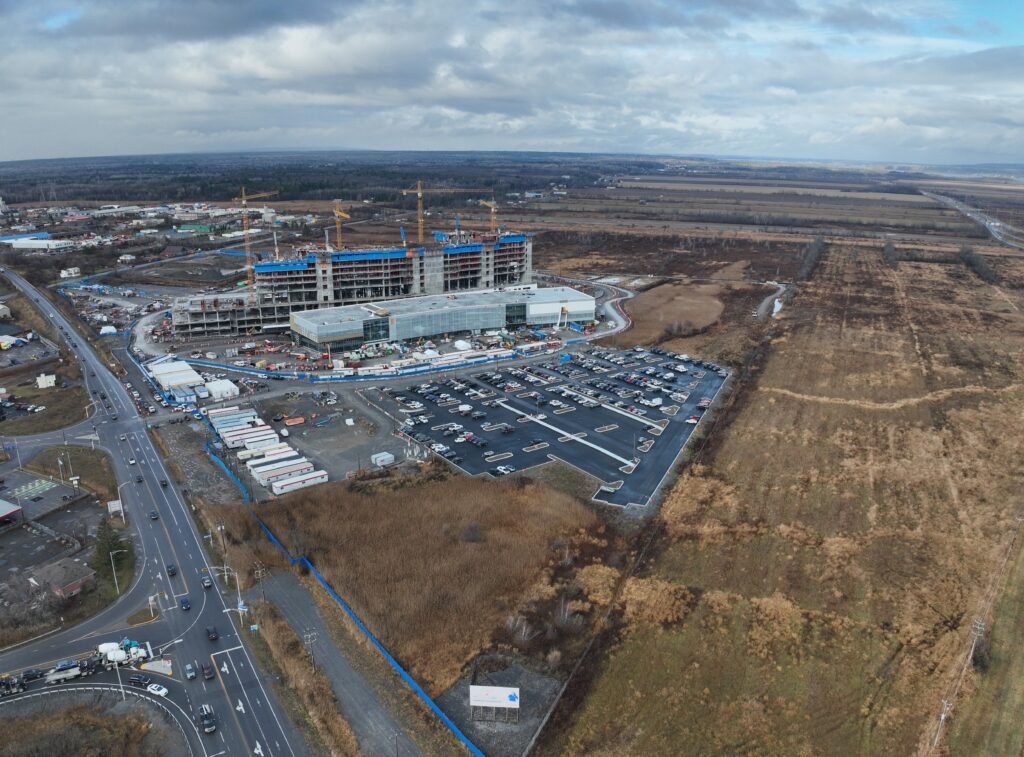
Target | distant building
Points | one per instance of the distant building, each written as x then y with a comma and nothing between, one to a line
425,317
126,258
70,273
42,244
66,577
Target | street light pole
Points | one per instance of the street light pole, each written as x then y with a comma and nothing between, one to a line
122,501
113,569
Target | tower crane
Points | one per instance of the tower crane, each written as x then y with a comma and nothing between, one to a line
494,213
244,199
338,215
420,191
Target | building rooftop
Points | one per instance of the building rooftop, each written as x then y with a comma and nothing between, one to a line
63,573
407,306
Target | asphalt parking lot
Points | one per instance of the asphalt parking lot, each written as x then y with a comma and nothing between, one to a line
36,495
621,416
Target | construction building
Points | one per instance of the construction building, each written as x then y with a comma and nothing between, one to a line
426,317
331,279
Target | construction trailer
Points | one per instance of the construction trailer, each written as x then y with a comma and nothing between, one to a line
287,470
285,485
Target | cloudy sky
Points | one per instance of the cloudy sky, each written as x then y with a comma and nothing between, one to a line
934,81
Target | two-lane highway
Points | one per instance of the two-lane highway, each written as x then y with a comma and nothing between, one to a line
249,719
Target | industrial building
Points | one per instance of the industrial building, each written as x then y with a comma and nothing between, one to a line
332,279
416,317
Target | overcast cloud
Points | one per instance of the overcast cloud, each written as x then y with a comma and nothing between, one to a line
896,81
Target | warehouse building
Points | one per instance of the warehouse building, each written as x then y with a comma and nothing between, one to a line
173,374
325,280
464,313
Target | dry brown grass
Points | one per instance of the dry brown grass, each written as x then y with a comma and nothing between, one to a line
310,684
840,534
86,729
92,466
433,570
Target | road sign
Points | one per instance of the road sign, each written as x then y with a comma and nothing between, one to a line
254,627
494,696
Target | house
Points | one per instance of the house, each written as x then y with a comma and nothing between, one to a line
46,380
126,258
66,577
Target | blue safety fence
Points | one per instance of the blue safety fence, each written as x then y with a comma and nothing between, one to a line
395,665
223,466
263,373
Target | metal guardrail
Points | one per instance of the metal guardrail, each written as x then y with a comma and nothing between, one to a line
77,688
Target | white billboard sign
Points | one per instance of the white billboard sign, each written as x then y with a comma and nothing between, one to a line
494,696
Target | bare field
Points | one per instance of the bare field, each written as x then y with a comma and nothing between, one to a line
433,570
839,537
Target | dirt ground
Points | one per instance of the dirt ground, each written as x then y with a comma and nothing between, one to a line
840,536
182,445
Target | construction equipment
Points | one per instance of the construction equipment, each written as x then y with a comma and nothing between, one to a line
244,199
420,191
338,215
494,213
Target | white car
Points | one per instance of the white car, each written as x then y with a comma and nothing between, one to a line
131,461
157,690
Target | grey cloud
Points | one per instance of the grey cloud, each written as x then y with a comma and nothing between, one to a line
737,76
855,17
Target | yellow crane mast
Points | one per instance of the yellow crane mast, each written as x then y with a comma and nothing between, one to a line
338,215
494,213
420,191
244,199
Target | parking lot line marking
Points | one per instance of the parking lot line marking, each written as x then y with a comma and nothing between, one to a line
498,457
563,432
605,429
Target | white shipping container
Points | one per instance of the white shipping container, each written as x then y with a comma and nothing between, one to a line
264,465
263,446
286,485
290,471
277,457
382,458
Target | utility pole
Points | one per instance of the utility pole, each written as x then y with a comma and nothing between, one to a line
308,639
259,572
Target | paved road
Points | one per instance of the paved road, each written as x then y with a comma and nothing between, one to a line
378,733
250,720
1003,232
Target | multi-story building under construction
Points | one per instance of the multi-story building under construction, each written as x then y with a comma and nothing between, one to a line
332,279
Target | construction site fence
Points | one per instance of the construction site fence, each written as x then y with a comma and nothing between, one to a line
223,466
314,378
408,679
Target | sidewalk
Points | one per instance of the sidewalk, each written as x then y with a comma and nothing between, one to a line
377,732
